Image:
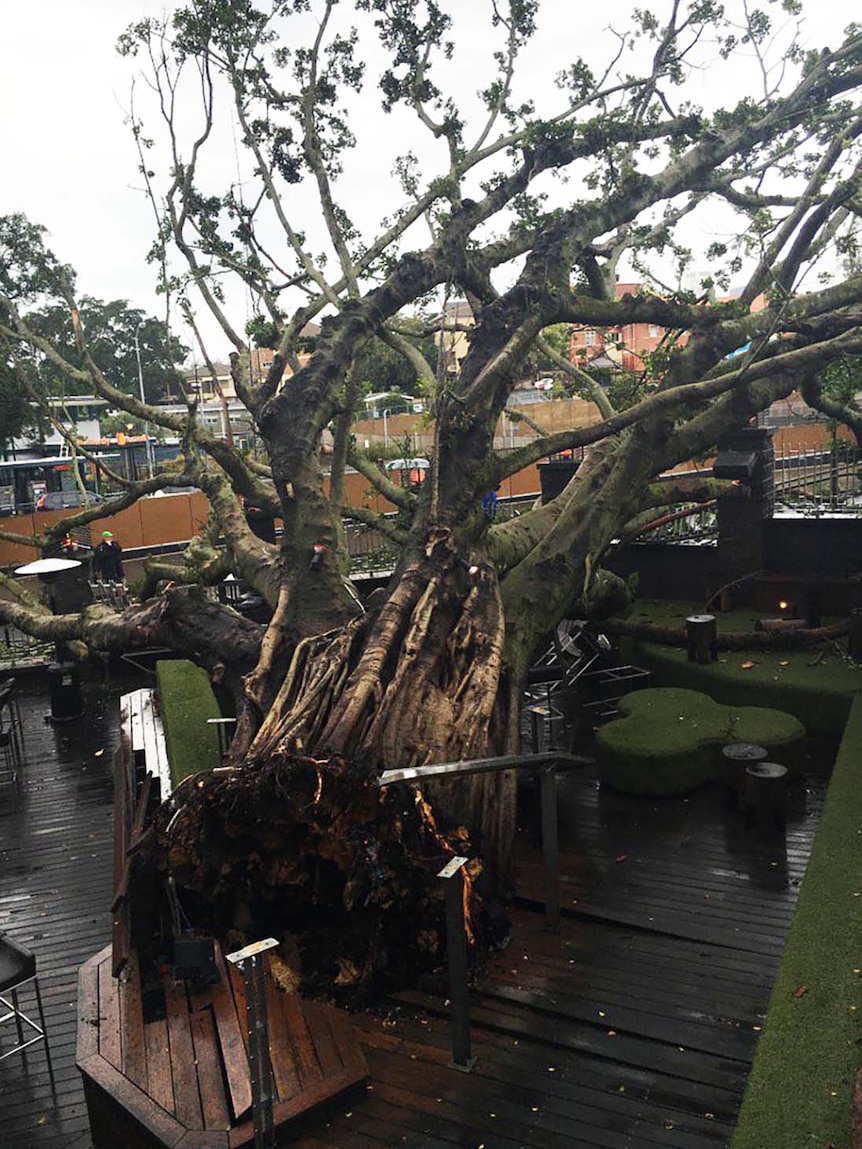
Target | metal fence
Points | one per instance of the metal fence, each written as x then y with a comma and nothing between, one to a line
680,523
370,551
817,482
18,651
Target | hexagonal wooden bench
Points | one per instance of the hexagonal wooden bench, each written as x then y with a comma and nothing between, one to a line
182,1080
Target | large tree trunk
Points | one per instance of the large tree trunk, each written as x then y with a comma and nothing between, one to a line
417,680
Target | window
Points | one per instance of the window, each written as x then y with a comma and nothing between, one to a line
653,331
590,338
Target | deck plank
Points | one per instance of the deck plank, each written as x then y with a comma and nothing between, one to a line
230,1035
109,1017
308,1066
208,1063
284,1069
131,1018
158,1054
325,1046
187,1099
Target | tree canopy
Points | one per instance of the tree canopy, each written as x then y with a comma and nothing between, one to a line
530,214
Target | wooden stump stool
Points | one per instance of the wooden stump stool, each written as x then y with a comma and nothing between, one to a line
765,793
736,757
701,632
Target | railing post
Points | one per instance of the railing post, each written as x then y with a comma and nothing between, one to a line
225,732
456,947
550,845
250,962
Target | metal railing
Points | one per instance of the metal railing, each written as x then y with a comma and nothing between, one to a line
817,482
699,527
20,651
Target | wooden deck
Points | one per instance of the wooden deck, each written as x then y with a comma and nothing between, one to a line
180,1076
55,892
633,1027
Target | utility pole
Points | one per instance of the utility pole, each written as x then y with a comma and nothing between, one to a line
150,459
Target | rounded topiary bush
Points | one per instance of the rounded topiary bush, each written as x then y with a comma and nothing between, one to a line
667,740
778,733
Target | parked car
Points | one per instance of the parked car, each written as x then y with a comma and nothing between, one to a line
63,500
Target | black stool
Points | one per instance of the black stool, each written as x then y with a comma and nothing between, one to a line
18,969
701,637
765,793
736,757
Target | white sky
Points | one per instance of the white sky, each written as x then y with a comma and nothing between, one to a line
69,161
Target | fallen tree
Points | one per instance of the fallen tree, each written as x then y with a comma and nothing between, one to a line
433,669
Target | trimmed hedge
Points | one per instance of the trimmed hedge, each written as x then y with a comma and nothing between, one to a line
800,1088
186,701
668,741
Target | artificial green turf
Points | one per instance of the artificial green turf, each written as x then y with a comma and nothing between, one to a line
817,687
668,740
800,1087
186,701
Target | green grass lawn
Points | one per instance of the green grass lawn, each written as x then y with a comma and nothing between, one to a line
801,1085
816,687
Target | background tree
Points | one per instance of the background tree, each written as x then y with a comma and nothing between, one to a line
383,367
116,335
17,415
329,693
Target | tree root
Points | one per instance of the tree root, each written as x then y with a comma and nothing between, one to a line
314,849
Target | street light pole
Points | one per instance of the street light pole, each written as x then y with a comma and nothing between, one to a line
150,460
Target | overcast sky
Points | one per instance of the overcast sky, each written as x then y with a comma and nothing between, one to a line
67,156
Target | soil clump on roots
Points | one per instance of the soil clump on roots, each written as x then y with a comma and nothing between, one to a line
314,853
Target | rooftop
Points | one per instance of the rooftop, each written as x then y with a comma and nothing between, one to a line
635,1025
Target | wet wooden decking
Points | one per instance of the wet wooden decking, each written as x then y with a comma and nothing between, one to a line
634,1026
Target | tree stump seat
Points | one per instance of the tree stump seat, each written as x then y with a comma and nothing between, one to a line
735,759
765,793
701,633
178,1075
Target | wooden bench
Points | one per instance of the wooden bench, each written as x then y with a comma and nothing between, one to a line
142,778
141,724
178,1075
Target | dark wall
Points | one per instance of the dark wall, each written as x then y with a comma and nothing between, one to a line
793,553
554,475
670,570
814,547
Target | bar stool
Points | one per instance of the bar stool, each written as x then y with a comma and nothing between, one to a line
17,970
10,752
11,726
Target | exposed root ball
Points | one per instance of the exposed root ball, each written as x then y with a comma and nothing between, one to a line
315,850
